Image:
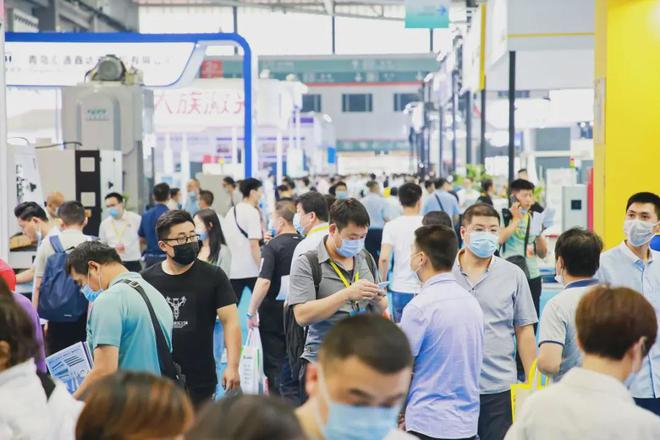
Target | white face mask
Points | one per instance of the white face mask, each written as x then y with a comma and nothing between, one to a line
638,232
559,277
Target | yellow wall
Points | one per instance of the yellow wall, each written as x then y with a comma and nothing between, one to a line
627,50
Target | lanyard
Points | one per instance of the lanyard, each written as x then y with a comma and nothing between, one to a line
356,277
118,235
319,229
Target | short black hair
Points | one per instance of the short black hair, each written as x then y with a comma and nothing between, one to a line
645,197
439,183
229,181
248,185
207,196
580,250
437,218
373,185
428,184
522,170
174,192
329,200
26,211
409,194
286,210
381,344
283,188
71,213
306,181
169,219
479,210
87,251
348,211
521,185
314,202
161,192
486,185
116,195
439,243
333,188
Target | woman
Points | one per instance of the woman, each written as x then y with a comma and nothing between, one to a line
214,250
247,418
136,406
487,191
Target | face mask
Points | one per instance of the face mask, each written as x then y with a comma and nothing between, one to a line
349,422
203,235
296,224
350,248
90,294
114,212
415,269
483,244
341,195
638,232
184,254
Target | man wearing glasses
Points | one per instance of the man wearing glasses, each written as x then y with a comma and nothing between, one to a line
196,292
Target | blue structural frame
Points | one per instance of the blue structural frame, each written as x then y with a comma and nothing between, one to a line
200,41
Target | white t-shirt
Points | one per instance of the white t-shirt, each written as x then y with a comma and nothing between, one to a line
400,234
124,231
242,262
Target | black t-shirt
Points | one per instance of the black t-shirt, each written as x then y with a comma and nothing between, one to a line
194,297
276,258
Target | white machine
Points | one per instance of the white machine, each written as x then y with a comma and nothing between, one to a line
113,112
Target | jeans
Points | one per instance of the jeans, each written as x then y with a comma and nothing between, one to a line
495,417
399,301
239,285
218,348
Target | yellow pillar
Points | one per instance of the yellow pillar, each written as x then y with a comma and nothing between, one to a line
627,110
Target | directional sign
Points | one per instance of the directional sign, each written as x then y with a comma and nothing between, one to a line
427,14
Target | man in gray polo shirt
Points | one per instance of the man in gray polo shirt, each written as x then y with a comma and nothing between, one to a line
347,284
509,316
577,255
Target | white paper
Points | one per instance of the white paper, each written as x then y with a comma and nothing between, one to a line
284,288
537,224
70,365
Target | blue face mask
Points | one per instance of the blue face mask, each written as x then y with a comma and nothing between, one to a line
350,248
90,294
114,212
203,235
341,195
296,224
349,422
483,244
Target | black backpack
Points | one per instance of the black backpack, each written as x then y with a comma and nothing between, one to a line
294,334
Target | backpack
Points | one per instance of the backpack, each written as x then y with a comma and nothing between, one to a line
294,334
60,298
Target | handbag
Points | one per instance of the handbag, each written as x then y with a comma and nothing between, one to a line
168,368
520,392
251,365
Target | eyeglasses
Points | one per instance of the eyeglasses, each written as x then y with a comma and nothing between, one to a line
183,240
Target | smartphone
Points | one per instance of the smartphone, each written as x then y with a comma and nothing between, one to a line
513,200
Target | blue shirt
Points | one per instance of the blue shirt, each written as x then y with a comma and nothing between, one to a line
378,210
620,267
449,204
445,327
120,318
192,203
148,228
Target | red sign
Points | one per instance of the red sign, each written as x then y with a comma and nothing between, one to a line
211,69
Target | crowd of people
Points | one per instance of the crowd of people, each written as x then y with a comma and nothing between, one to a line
390,309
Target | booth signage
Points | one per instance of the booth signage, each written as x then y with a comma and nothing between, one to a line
427,14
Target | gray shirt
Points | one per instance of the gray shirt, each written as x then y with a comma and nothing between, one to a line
557,324
506,301
301,290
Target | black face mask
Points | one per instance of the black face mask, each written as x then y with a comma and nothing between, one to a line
184,254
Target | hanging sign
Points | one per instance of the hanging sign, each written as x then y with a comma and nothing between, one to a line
427,14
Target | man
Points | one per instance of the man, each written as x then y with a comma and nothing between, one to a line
269,294
192,196
53,202
205,199
442,200
398,237
615,328
120,231
120,333
445,327
487,192
467,195
509,316
577,252
147,230
61,335
395,208
34,224
311,221
175,199
348,282
632,264
379,214
243,232
358,385
339,190
229,185
522,174
284,192
197,292
518,239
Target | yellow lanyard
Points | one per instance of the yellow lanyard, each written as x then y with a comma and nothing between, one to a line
118,235
319,229
356,277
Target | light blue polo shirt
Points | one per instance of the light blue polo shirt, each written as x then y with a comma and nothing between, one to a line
620,267
445,326
378,210
120,318
449,204
506,301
